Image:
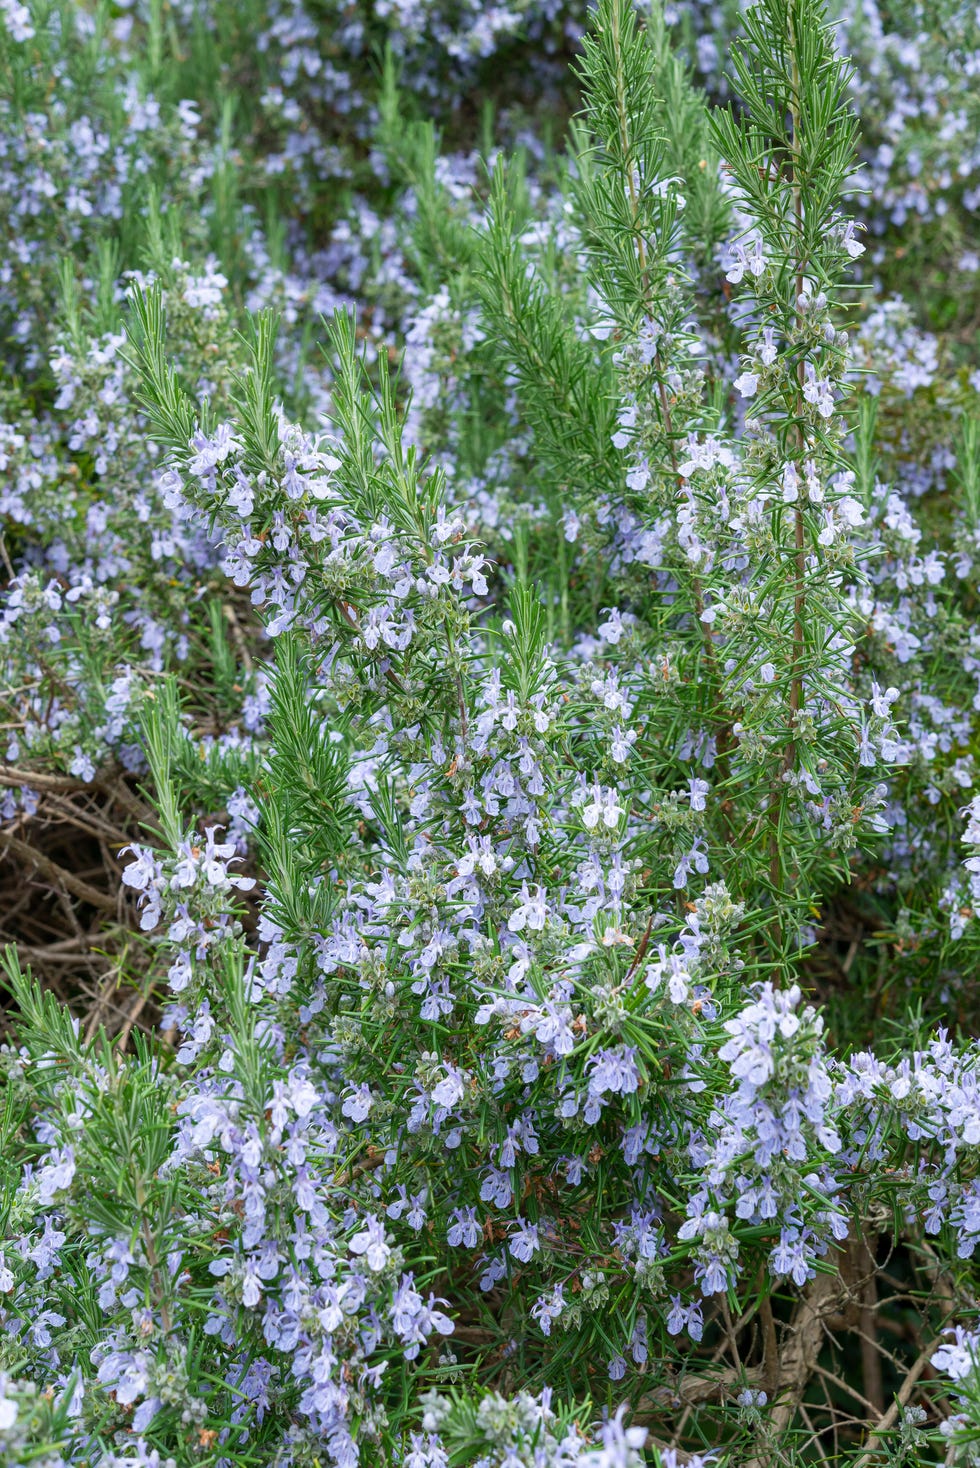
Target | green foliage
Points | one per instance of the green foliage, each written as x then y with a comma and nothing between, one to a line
536,762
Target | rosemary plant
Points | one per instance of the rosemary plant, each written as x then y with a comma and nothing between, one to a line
504,782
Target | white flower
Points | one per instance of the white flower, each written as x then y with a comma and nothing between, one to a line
8,1408
450,1089
371,1242
532,911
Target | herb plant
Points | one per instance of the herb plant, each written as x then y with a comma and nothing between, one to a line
491,695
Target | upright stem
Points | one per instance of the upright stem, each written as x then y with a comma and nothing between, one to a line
789,757
799,601
458,680
722,728
153,1258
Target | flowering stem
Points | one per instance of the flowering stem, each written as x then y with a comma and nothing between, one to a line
457,679
152,1257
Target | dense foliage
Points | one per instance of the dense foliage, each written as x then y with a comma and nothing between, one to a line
490,846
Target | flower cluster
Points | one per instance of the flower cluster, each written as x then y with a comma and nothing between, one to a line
500,790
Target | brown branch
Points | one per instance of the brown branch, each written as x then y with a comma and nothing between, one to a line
238,636
798,1361
692,1389
119,791
92,823
843,1386
716,1356
870,1355
115,789
57,875
901,1400
770,1348
137,1004
15,776
815,1434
